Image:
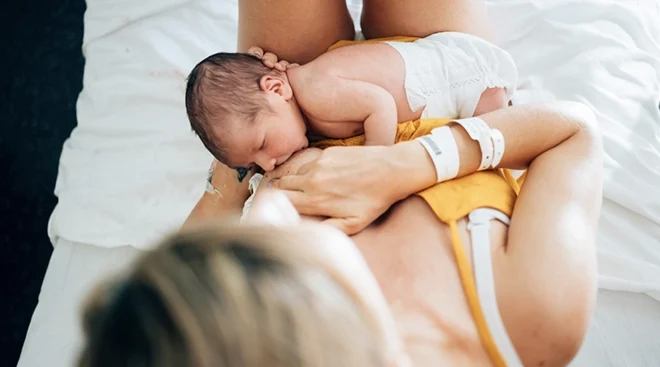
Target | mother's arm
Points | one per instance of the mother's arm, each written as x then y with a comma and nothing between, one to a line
227,193
551,241
546,275
355,192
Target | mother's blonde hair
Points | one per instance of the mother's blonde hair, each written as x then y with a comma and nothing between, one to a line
226,295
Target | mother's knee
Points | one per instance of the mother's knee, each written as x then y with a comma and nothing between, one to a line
294,30
421,18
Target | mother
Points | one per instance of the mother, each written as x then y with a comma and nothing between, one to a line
543,263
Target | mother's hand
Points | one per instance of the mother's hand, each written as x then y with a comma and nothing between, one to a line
351,186
270,59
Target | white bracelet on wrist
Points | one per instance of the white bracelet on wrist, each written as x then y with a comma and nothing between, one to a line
479,131
441,147
498,146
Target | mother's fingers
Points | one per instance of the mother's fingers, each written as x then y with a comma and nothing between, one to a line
269,59
291,183
255,51
349,226
306,205
282,65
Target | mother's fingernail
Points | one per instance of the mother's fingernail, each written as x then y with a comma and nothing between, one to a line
269,184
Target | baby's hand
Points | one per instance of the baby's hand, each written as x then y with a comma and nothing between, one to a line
270,59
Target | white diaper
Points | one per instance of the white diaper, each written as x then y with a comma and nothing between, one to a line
252,186
447,73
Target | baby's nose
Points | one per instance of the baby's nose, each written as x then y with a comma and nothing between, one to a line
270,165
283,159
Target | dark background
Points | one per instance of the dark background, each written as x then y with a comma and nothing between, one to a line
40,79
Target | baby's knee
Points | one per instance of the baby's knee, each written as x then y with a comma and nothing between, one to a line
492,99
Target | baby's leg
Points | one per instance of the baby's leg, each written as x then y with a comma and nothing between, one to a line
492,99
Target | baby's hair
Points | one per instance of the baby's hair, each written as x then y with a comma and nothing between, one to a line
223,88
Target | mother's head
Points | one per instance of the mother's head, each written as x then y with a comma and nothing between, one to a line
248,296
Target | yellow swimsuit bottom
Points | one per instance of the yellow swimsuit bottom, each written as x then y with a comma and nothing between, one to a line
453,200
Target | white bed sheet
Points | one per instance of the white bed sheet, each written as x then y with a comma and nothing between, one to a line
607,55
624,331
132,169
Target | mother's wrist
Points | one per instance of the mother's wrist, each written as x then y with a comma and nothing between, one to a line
411,169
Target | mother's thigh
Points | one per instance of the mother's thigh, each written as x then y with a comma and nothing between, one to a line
420,18
295,30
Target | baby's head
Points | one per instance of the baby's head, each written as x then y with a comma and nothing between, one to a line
244,112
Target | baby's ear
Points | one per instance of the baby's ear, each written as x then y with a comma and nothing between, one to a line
275,84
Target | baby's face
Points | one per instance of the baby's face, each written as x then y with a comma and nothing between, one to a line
271,139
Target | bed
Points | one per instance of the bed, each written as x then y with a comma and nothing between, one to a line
132,169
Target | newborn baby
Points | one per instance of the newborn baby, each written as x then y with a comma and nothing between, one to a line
246,113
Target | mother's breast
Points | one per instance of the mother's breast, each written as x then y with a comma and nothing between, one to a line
292,165
409,252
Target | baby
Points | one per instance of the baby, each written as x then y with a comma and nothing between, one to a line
246,113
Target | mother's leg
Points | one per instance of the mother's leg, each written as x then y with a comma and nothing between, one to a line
295,30
420,18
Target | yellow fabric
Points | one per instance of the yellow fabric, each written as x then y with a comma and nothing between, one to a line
470,290
453,200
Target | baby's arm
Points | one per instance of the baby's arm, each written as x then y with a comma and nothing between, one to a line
329,97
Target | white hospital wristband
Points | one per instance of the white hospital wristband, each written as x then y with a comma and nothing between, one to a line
479,131
498,146
441,147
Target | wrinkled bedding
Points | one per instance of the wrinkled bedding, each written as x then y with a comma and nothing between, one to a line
132,170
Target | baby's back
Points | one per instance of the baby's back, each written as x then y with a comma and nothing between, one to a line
376,63
442,75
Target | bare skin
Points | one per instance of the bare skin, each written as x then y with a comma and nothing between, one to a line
408,250
353,90
343,93
387,18
301,30
547,322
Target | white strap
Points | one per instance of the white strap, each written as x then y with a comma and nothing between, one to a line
479,131
479,227
441,147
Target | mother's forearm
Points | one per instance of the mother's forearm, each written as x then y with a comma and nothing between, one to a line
227,192
528,130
